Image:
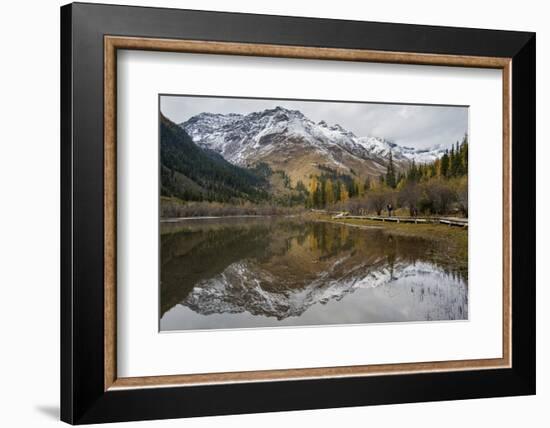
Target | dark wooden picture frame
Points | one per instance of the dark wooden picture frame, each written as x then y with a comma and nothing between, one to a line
90,389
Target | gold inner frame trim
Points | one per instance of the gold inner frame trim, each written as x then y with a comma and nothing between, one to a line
113,43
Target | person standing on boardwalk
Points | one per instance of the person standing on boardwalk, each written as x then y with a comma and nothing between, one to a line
390,209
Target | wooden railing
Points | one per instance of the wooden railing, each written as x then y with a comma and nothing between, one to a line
451,221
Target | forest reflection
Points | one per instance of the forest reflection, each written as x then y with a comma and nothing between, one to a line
265,272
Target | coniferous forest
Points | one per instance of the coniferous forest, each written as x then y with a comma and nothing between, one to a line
439,187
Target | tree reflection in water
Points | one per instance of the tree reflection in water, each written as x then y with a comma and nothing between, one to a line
238,273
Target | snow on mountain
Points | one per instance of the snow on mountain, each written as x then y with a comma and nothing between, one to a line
381,148
239,289
259,136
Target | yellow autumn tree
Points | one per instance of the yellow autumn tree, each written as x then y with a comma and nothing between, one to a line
344,194
360,188
313,185
437,165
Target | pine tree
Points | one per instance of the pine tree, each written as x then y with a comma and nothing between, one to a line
329,192
413,175
351,189
444,167
337,191
454,163
464,150
390,173
321,202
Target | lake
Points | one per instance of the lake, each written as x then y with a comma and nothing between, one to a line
273,272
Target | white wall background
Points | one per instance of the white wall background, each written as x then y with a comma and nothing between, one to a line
29,214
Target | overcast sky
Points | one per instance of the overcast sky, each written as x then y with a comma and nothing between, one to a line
417,126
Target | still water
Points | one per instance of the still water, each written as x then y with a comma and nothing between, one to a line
270,272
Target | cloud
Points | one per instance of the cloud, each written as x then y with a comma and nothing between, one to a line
418,126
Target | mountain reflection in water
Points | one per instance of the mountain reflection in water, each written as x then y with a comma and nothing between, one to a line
267,272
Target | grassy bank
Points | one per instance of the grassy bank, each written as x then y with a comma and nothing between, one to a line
450,244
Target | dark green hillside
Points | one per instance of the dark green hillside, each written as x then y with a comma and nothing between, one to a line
192,173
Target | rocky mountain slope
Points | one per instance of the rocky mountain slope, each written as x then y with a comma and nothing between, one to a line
287,140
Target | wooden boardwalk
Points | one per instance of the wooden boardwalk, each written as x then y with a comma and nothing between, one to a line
450,221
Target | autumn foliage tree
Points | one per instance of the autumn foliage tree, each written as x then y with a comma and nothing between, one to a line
439,187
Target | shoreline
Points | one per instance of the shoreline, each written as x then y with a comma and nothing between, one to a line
359,226
451,242
178,219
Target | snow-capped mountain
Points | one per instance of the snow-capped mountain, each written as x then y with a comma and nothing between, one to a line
237,289
382,148
288,140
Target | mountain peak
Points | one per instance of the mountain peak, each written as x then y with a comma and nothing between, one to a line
287,135
282,111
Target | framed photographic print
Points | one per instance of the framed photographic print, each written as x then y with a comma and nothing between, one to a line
265,213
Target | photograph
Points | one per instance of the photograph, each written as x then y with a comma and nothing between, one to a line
306,213
263,212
